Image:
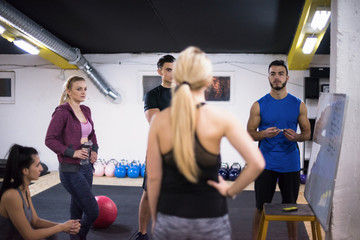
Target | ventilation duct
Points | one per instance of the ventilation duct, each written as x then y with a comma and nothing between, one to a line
19,21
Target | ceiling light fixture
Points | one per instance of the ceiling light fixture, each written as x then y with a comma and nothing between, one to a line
26,46
314,21
320,19
2,29
309,45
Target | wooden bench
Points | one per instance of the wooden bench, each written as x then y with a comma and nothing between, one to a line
274,212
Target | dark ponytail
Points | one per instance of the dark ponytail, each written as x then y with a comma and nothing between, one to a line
18,158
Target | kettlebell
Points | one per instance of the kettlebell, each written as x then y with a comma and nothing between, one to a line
99,168
110,168
133,170
143,166
120,171
234,171
224,171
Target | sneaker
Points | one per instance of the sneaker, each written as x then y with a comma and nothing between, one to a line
140,236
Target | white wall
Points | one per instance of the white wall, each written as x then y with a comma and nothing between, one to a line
344,78
121,128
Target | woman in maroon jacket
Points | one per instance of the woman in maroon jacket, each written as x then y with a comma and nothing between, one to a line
72,137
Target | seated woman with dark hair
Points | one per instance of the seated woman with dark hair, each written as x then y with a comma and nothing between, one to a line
18,218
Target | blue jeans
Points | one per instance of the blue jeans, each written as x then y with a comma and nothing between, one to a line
83,203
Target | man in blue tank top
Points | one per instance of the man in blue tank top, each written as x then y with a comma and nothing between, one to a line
155,101
273,122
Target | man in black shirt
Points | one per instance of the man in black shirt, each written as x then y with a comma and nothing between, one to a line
155,101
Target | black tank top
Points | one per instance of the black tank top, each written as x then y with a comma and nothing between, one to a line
179,197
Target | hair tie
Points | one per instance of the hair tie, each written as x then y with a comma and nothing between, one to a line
185,82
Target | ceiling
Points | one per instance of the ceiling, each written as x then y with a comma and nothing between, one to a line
146,26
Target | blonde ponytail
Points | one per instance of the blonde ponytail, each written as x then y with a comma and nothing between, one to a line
63,97
183,123
192,72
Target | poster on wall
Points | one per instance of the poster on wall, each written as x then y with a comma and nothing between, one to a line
325,152
149,82
219,89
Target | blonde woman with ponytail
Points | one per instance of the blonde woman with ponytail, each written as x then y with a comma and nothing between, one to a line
187,197
72,137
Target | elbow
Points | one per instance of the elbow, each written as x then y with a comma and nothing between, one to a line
153,180
48,144
307,136
28,236
252,135
257,165
260,164
48,141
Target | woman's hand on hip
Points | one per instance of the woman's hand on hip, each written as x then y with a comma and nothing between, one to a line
222,186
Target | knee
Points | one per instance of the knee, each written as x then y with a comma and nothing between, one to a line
94,213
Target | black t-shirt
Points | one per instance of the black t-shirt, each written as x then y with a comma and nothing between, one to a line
158,97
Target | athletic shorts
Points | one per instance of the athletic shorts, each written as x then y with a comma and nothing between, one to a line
265,185
177,228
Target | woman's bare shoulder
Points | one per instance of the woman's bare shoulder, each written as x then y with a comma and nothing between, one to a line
10,195
161,118
218,113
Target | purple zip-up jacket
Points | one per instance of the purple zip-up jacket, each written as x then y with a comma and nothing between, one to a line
64,133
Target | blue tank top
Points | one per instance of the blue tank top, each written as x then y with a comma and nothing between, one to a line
7,228
280,154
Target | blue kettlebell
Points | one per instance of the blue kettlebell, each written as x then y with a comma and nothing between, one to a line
224,171
303,175
303,178
120,171
124,163
133,170
143,166
234,171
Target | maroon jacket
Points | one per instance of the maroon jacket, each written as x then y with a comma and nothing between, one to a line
64,133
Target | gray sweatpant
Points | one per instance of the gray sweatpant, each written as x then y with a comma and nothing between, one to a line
172,227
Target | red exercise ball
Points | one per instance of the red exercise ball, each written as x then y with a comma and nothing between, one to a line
107,212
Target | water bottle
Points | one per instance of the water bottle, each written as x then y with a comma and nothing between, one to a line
87,146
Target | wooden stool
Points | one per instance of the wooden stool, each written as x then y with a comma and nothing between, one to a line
274,212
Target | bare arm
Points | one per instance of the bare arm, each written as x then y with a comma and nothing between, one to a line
150,113
14,209
242,142
70,226
254,122
154,169
304,124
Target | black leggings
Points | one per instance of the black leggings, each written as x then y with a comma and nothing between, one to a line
265,185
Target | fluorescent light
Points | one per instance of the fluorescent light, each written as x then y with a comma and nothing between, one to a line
320,19
309,45
2,29
26,46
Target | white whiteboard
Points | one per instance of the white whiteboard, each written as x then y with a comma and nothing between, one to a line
325,154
